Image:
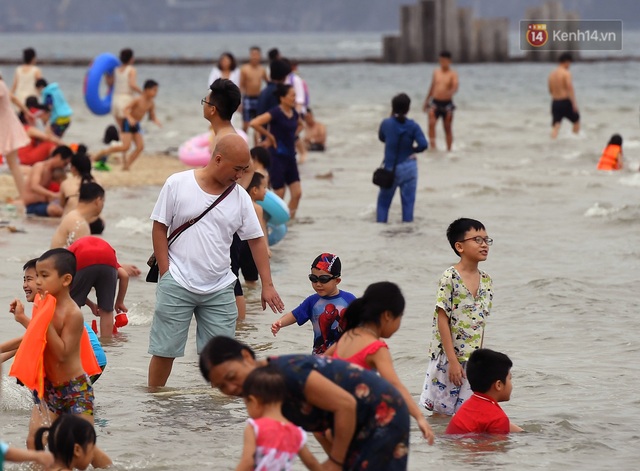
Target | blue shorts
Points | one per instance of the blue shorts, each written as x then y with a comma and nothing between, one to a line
38,209
249,108
215,313
283,170
126,127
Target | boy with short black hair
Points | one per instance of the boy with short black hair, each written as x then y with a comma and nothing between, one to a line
133,114
464,300
489,375
325,309
76,223
52,96
67,387
257,190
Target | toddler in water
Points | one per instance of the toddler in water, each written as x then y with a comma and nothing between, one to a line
374,316
325,309
271,442
72,442
611,158
465,297
489,374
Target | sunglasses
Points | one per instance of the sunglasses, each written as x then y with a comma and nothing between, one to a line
324,279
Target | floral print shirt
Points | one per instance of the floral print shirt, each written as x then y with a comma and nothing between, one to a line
467,313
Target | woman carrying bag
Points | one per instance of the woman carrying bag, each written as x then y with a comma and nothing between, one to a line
403,138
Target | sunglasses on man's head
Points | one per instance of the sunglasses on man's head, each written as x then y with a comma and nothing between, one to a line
322,278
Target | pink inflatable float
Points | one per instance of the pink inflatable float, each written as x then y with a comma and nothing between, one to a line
196,152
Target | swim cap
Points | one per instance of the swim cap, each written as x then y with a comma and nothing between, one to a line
328,262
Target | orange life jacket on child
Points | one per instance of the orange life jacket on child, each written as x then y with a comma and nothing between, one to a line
610,159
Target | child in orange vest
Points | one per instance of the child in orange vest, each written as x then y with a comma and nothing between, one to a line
611,158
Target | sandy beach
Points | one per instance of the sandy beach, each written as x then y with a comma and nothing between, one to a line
148,170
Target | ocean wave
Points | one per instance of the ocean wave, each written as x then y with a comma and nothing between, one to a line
601,210
630,180
133,225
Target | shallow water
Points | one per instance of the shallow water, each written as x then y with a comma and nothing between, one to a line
564,263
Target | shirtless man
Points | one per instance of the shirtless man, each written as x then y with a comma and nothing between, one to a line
438,103
76,223
251,76
38,199
315,133
133,114
564,104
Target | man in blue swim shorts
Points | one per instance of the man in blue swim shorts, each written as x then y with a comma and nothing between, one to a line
38,198
252,74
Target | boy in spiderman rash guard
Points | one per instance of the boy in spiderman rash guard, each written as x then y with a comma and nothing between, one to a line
325,308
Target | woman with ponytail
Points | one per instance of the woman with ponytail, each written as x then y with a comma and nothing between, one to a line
71,440
80,173
375,316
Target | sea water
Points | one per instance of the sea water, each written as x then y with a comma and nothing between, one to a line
565,261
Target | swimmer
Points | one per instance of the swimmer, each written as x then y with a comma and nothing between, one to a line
252,74
439,101
133,114
564,104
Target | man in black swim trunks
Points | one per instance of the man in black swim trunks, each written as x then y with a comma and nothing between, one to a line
439,101
564,104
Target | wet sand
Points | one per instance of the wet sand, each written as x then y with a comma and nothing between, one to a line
148,170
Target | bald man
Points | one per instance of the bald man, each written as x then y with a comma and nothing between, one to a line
195,278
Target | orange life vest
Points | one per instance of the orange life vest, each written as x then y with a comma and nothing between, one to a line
610,159
28,365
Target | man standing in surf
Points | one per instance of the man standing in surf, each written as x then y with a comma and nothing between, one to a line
564,104
439,101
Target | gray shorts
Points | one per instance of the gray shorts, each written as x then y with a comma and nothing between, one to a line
104,278
215,313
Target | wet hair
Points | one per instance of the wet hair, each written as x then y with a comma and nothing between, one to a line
126,55
30,264
231,57
458,228
616,139
149,84
65,433
225,96
274,54
262,155
255,48
32,102
64,261
28,55
90,191
400,106
377,298
445,54
256,181
41,83
565,57
219,350
110,134
279,70
266,383
282,89
485,367
81,162
97,227
64,152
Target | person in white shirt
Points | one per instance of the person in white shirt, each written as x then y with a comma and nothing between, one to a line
195,274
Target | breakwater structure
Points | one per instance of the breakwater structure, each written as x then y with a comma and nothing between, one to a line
431,26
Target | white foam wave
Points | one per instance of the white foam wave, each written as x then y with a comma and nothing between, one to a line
601,210
631,180
14,397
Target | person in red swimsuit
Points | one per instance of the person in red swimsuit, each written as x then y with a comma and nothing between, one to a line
374,316
489,374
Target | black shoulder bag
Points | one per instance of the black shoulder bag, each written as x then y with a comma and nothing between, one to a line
383,177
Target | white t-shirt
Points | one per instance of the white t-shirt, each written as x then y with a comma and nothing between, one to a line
199,258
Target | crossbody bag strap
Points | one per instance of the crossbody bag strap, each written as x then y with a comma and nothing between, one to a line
174,235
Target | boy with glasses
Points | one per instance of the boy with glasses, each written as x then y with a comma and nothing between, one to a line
325,309
465,297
